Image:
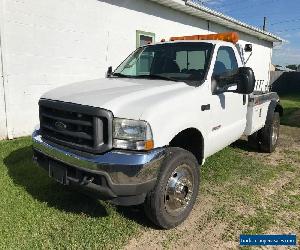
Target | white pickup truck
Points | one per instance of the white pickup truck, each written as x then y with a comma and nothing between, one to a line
140,135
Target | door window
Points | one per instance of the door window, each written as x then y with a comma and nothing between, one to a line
226,61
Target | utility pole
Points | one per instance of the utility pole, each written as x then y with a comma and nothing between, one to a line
265,23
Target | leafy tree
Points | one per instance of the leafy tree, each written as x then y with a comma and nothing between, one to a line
292,66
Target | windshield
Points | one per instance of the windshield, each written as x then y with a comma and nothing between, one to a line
186,61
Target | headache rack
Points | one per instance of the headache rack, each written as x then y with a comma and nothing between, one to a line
76,126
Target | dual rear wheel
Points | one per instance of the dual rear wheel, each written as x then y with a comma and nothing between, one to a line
266,139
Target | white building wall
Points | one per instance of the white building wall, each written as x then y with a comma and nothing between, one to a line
49,43
3,131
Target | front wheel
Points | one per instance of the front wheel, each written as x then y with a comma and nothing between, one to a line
175,193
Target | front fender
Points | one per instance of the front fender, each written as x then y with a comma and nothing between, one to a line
175,112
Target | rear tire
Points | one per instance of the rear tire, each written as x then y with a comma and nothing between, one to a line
270,134
266,139
254,141
175,193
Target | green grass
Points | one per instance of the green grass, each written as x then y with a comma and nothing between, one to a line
37,213
242,186
238,180
291,105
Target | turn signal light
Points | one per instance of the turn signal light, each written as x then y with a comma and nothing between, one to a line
149,145
232,37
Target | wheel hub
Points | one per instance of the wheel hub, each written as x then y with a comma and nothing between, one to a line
179,190
275,133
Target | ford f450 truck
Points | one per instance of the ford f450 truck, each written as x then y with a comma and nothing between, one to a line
139,135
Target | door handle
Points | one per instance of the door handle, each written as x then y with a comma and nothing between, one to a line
205,107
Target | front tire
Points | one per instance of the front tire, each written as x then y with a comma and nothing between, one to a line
175,193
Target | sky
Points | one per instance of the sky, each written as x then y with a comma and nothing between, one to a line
283,19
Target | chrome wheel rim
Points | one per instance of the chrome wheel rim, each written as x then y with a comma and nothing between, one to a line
275,133
179,190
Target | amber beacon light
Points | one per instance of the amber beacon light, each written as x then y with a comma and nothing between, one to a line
232,37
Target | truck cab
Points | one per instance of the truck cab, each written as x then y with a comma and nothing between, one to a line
140,135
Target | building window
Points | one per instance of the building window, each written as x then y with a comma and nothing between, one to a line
144,38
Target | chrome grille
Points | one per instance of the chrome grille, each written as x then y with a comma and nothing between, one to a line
76,126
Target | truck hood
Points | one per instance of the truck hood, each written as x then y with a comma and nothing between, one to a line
125,97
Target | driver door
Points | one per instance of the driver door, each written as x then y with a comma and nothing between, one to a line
228,110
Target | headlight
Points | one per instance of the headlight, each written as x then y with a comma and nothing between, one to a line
132,134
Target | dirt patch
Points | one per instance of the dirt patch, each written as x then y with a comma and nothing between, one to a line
244,210
278,184
200,231
290,137
282,230
177,237
294,118
289,140
205,230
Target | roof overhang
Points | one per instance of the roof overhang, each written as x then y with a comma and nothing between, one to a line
194,9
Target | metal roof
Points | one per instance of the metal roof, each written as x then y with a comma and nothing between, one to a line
194,9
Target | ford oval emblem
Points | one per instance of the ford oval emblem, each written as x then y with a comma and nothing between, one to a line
60,125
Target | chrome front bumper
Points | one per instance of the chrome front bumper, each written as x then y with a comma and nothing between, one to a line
126,173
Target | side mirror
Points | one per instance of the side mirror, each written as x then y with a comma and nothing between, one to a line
109,72
245,80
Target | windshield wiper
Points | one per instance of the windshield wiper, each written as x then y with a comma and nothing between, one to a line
121,75
152,76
